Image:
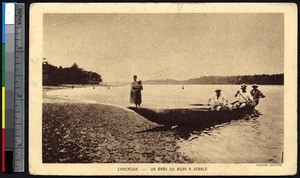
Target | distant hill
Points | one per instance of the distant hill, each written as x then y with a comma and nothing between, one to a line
264,79
165,82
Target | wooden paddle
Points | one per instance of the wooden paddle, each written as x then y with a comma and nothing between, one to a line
247,102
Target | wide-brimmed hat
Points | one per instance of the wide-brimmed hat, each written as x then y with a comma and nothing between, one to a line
243,86
218,90
254,86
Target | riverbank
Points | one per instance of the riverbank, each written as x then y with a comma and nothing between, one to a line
64,86
94,133
243,141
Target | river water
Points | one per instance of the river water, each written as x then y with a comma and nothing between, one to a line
256,140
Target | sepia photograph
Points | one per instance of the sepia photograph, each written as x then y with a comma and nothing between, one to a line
161,89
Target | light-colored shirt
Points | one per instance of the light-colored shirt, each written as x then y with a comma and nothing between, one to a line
221,100
246,95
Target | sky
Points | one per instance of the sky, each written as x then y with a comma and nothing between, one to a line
166,46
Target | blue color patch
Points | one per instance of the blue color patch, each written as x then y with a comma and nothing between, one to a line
3,22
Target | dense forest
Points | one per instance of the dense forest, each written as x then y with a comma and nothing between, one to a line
264,79
53,75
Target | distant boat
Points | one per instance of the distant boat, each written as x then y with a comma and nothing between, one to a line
192,116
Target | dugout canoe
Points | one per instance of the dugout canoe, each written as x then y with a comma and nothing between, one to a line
192,116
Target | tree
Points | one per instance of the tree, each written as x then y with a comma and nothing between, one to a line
53,75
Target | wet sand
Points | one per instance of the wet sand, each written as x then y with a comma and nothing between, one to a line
82,132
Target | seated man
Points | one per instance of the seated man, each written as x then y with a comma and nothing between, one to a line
218,102
243,96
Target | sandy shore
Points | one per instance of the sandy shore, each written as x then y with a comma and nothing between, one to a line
76,131
78,128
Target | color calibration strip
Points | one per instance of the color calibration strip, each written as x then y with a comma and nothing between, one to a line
12,87
19,90
8,84
3,89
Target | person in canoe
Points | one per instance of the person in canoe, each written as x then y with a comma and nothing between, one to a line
243,96
135,92
256,94
218,101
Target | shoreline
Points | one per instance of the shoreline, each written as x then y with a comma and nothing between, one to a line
67,86
67,99
95,133
71,104
85,131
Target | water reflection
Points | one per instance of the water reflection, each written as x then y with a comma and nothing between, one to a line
189,133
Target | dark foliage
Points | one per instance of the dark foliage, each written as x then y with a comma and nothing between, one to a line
276,79
53,75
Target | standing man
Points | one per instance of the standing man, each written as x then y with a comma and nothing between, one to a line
218,102
256,94
244,97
